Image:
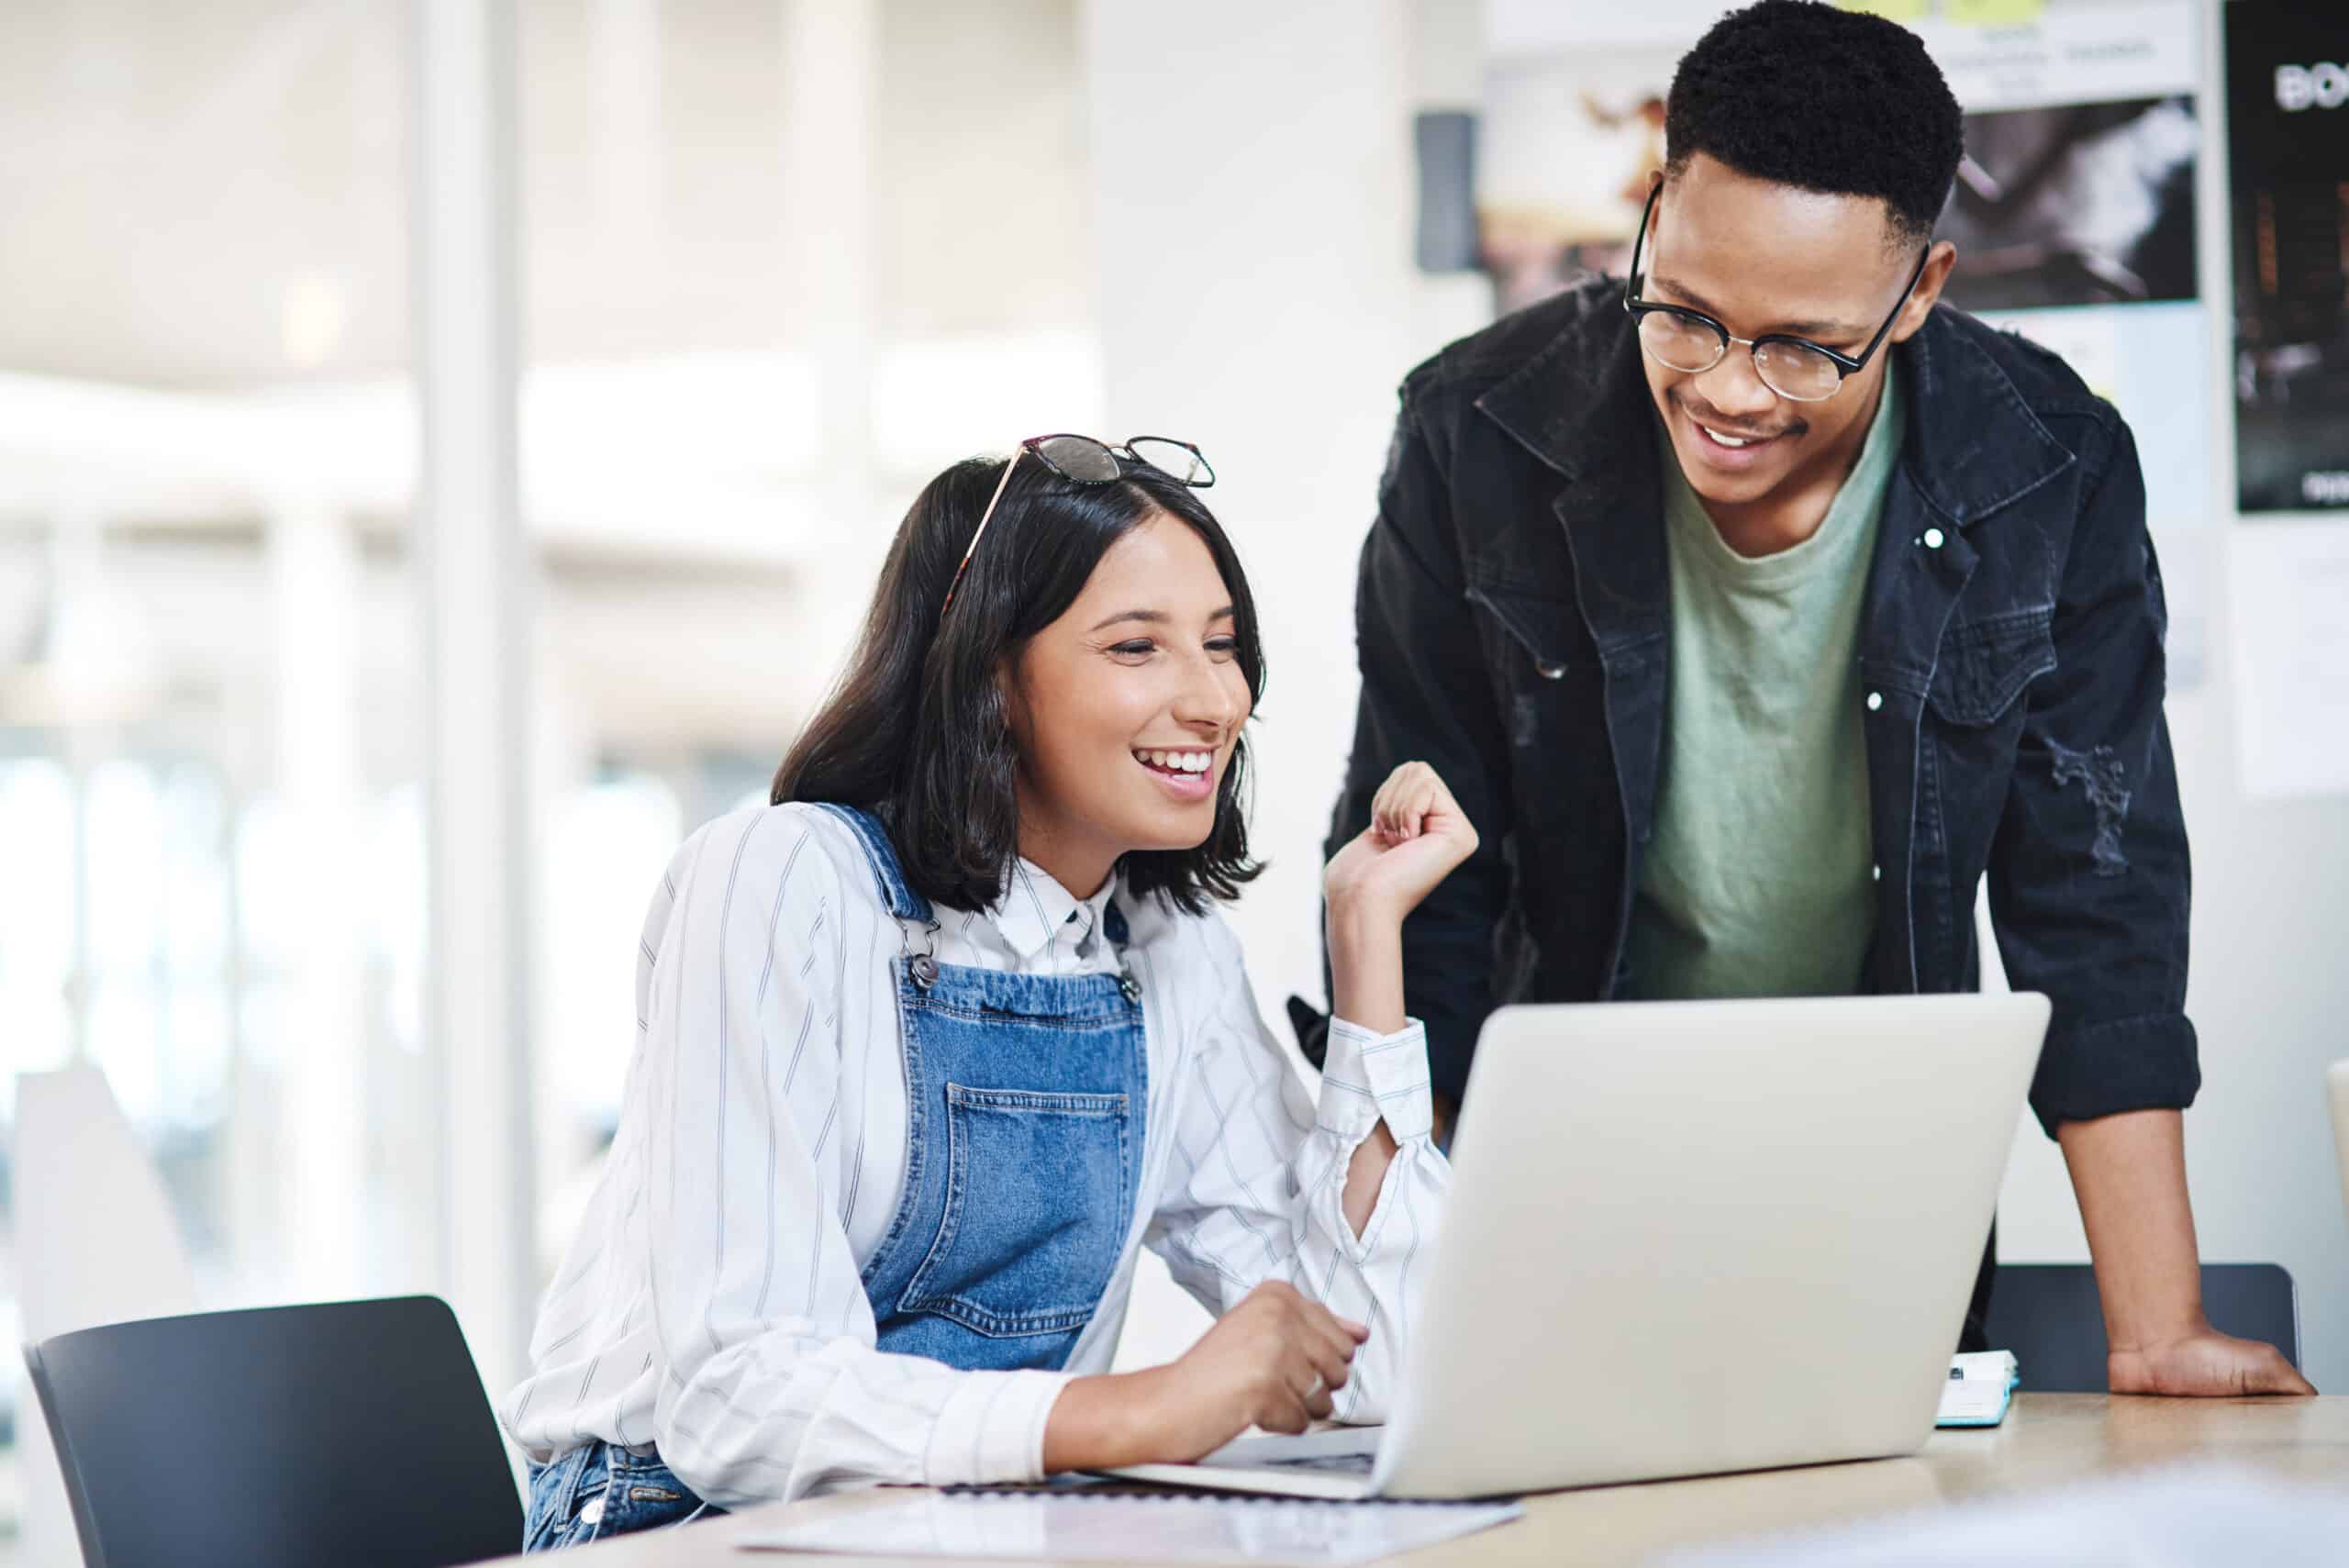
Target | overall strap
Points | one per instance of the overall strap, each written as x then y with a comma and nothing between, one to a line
903,901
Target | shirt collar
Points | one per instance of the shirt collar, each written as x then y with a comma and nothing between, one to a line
1035,910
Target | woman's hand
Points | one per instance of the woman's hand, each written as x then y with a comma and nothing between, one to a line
1416,835
1272,1361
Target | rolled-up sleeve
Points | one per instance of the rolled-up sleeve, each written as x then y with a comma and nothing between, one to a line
1258,1172
1426,697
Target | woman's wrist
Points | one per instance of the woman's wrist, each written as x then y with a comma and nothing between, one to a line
1357,915
1366,968
1102,1422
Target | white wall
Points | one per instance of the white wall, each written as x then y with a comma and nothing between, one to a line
1252,210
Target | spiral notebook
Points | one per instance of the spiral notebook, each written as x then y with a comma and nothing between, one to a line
1051,1525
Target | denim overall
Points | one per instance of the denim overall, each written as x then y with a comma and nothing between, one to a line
1025,1107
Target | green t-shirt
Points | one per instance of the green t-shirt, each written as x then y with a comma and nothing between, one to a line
1759,881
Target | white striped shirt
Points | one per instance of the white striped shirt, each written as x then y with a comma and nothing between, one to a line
712,1305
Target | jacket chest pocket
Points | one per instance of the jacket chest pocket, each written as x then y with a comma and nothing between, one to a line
1036,1210
1556,707
1526,638
1985,666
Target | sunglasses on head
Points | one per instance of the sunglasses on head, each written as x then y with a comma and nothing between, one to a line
1082,459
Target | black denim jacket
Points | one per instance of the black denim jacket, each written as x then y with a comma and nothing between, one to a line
1514,623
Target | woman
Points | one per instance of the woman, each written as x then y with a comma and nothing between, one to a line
928,1048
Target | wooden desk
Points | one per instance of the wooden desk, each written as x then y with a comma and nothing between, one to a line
2047,1440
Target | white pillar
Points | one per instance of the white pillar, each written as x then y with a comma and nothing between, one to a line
78,658
624,43
320,1104
476,600
830,83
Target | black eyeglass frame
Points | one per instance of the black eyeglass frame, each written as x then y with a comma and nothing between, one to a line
1121,457
1123,452
1845,364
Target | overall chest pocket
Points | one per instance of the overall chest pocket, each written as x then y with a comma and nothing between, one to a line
1036,1210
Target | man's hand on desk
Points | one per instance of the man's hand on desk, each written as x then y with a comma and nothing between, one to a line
2128,1172
2204,1362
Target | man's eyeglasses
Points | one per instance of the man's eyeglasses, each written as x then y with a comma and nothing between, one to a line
1081,460
1692,342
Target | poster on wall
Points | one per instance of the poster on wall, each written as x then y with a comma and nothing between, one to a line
1569,141
2073,212
2074,218
2077,187
2288,122
2075,204
2288,117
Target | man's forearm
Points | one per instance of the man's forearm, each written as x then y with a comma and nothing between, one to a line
2128,1172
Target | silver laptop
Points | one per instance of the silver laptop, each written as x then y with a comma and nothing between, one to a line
1688,1237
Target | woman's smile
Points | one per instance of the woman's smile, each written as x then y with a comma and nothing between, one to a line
1188,773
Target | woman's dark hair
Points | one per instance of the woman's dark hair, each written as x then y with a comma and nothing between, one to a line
919,733
1824,99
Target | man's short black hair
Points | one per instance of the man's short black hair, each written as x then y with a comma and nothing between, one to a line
1823,99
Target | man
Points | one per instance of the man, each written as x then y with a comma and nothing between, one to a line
1756,612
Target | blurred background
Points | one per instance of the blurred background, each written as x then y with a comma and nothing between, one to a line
444,446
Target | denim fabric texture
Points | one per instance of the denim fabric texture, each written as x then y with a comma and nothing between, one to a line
1514,609
1026,1094
598,1491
